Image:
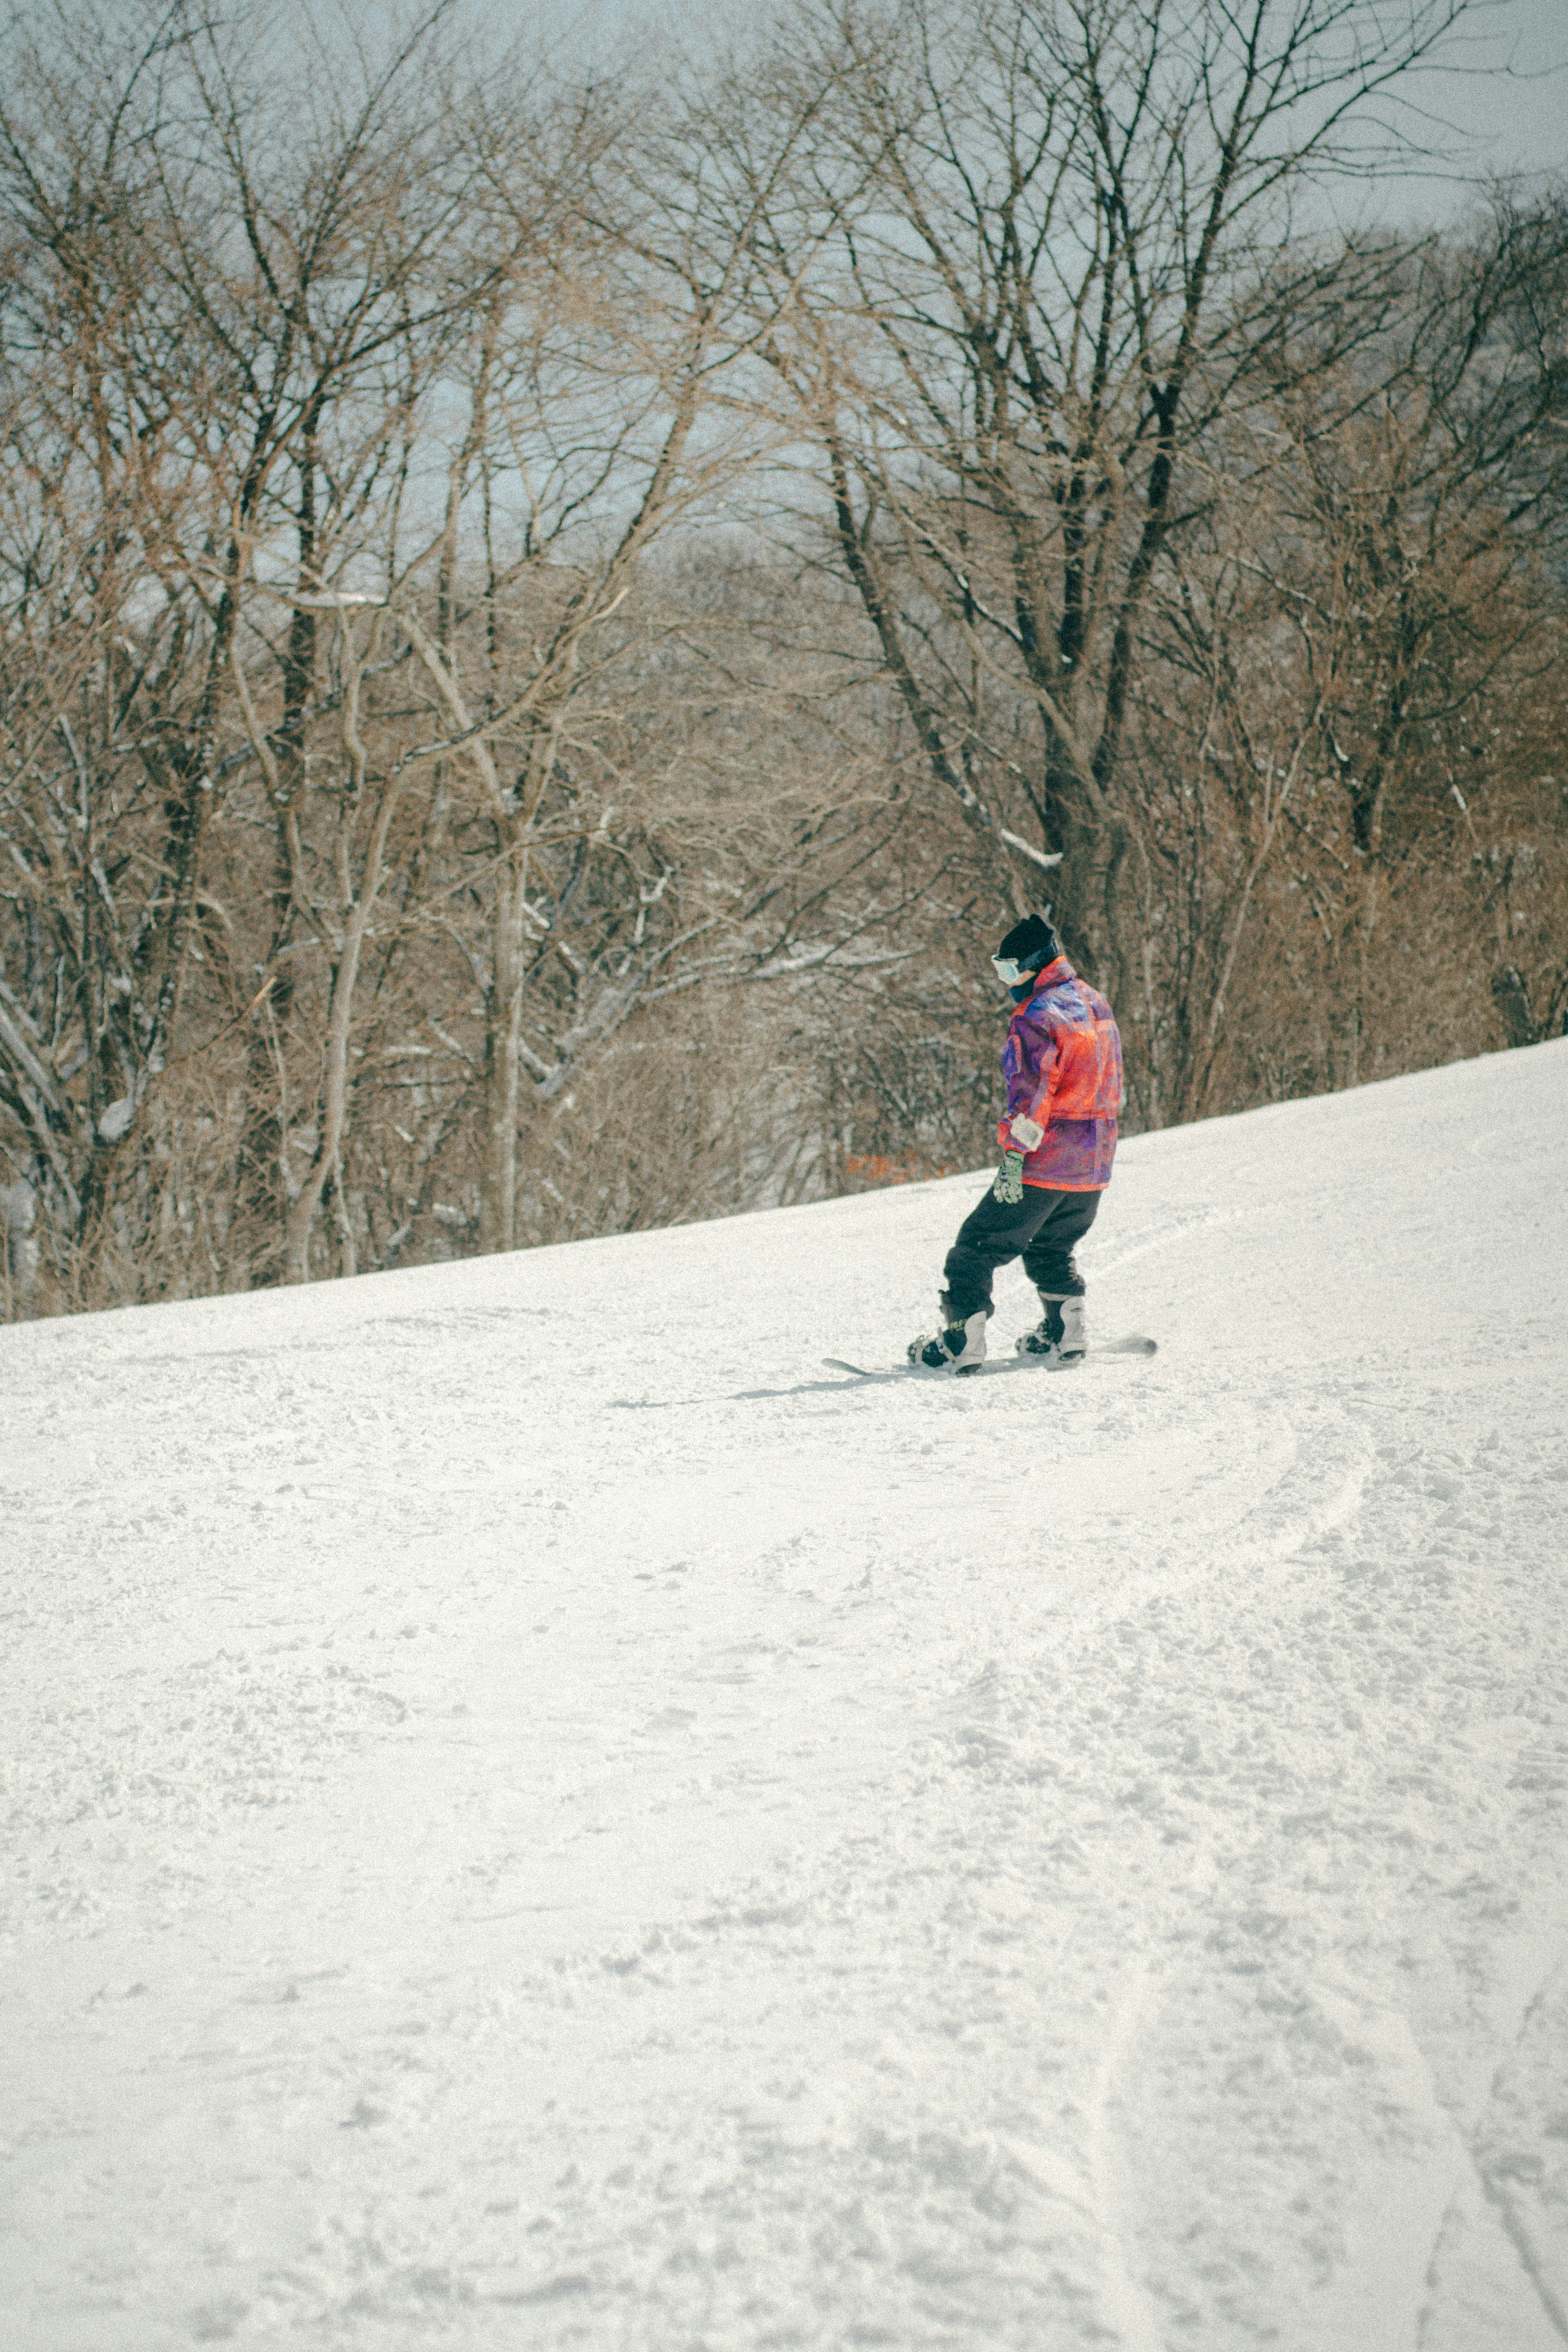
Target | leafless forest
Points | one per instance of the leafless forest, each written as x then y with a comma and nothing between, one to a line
546,625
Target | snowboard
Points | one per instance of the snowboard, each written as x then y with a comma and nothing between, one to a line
1133,1345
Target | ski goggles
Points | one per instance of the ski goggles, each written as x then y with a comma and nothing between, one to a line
1011,974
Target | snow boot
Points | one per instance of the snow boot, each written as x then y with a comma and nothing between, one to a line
1062,1336
959,1346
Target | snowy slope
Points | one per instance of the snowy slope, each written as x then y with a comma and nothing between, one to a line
539,1817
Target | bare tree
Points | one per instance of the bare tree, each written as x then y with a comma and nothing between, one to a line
539,624
1046,290
1426,483
598,423
212,359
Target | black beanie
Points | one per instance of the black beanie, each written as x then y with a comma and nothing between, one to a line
1031,944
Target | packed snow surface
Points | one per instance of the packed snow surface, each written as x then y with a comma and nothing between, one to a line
538,1816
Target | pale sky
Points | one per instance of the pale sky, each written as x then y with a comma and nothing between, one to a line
1507,109
1502,105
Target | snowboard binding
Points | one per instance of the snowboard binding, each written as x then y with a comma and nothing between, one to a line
1061,1339
959,1347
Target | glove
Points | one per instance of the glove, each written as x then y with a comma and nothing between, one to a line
1007,1183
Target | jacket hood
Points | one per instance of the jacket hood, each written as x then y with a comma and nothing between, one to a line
1049,976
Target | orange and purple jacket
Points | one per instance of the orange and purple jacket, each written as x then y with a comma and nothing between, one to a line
1062,1063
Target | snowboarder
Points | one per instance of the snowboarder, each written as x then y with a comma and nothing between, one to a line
1062,1064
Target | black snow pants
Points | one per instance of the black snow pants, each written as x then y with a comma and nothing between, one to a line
1041,1229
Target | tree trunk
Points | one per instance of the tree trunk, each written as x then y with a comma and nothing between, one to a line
300,1221
357,912
503,1032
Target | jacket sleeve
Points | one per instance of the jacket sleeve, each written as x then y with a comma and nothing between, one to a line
1035,1067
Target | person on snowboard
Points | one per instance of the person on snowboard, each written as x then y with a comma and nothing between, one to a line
1062,1064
